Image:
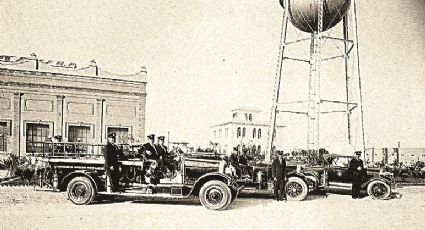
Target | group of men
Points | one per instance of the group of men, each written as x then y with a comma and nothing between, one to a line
157,154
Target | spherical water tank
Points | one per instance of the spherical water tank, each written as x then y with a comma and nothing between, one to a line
303,14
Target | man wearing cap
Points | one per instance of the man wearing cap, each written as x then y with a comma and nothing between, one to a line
162,152
110,153
356,170
149,148
279,177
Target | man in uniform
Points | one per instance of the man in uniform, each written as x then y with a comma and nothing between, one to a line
110,153
279,177
162,152
356,171
149,148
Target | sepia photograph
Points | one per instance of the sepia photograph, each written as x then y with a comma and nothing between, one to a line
225,114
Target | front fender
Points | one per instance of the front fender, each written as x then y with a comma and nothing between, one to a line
297,174
92,175
365,184
212,176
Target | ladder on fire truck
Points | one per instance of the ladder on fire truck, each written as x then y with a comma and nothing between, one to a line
314,99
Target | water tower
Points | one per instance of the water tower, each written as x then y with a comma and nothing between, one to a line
329,29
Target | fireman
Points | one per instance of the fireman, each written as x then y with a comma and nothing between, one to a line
357,172
110,153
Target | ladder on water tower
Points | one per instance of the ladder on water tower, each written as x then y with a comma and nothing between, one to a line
314,100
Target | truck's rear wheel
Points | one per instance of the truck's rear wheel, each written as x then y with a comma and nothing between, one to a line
215,195
296,189
378,190
81,191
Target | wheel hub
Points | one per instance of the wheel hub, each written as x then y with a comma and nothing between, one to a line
214,196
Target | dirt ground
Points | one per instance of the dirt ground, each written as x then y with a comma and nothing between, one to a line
23,208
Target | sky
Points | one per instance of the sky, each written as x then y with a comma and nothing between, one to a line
205,58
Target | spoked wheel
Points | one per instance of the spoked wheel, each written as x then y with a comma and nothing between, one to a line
81,191
378,190
215,195
296,189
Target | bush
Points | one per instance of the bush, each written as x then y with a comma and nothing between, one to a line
17,166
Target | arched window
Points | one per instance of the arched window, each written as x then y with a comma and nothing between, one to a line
254,133
246,116
219,133
243,132
238,133
259,149
250,117
259,133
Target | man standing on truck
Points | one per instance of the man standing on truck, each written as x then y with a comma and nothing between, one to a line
149,148
356,170
110,153
279,177
162,152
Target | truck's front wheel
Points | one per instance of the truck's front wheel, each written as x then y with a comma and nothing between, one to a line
296,189
215,195
81,191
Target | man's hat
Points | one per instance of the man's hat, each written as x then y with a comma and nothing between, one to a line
358,152
112,135
161,138
151,136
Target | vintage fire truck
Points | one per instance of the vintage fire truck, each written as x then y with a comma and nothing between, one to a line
79,169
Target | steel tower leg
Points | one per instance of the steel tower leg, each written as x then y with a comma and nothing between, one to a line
278,80
345,30
358,77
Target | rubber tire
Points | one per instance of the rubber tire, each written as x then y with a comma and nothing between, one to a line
225,190
372,184
90,190
303,186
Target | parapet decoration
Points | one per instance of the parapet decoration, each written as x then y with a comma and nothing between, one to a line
33,63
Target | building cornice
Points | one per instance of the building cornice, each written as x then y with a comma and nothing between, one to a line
246,124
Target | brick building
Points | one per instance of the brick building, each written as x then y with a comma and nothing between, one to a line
42,98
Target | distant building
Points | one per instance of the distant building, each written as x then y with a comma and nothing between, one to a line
391,155
42,98
245,127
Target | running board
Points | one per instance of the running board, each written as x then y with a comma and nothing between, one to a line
339,185
136,194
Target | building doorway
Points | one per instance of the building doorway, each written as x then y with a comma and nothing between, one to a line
4,134
122,134
79,133
36,134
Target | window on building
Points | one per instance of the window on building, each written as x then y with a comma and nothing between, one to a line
226,132
250,117
79,133
246,116
259,133
412,155
243,132
215,133
235,115
254,133
219,133
37,134
238,133
122,134
4,134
